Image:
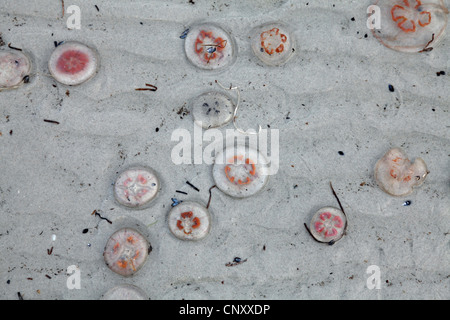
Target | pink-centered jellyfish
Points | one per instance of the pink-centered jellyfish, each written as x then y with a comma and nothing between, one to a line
411,25
189,220
240,171
15,66
136,187
126,251
73,63
328,225
396,175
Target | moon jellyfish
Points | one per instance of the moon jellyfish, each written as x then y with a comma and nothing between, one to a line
411,25
396,175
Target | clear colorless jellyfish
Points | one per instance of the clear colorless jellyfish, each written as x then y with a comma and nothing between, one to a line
73,63
189,221
126,251
328,225
272,43
136,187
125,292
240,171
411,25
14,67
212,110
396,175
209,47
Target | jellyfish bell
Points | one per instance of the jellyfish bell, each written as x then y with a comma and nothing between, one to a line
328,225
411,25
208,46
126,251
272,43
212,109
125,292
396,175
73,63
136,187
189,220
240,171
15,67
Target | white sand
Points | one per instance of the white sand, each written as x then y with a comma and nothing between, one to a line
335,90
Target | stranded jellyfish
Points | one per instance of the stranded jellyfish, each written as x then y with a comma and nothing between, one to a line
125,292
240,171
272,43
411,25
212,109
396,175
126,251
328,225
189,221
209,47
73,63
136,187
14,69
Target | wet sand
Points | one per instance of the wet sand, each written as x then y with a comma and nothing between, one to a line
336,117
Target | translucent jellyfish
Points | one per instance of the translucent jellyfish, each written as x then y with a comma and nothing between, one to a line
272,43
136,187
396,175
240,171
125,292
212,109
210,47
328,225
15,66
189,221
126,251
73,63
411,25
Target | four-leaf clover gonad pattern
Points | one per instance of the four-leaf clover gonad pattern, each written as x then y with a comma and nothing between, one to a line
409,15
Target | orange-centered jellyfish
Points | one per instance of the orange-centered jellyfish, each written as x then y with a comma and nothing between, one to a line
411,25
189,220
243,174
126,251
272,43
209,46
396,175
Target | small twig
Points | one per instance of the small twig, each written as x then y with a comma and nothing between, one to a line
178,191
20,296
62,2
49,251
51,121
98,215
342,209
210,195
426,49
192,186
152,88
14,48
